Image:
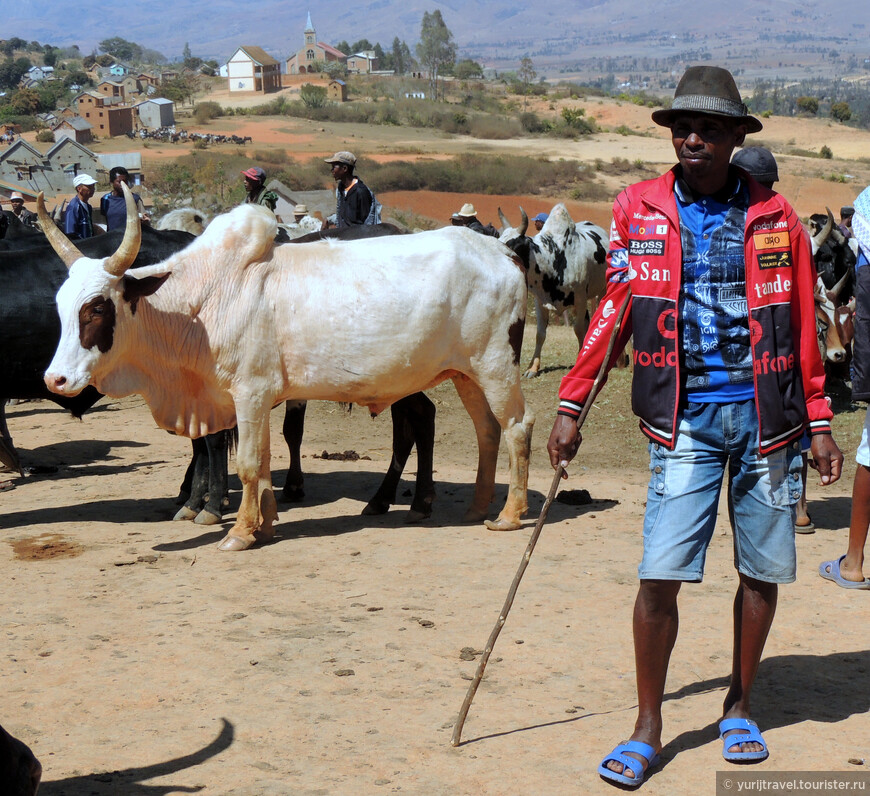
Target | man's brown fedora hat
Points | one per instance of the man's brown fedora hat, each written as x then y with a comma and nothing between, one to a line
707,89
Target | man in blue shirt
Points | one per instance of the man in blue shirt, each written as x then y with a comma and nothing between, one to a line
78,223
717,277
113,206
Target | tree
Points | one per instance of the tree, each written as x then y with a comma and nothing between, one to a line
49,58
25,102
344,47
841,111
467,69
403,61
808,105
361,46
312,96
121,49
11,71
526,76
436,50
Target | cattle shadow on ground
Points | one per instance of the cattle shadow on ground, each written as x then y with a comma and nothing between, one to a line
132,510
76,452
841,679
323,488
129,781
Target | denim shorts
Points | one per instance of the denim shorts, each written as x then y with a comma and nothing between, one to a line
862,455
683,497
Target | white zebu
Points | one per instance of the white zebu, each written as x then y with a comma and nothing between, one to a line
232,326
565,267
186,219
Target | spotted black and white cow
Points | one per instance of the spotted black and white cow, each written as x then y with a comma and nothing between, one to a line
565,268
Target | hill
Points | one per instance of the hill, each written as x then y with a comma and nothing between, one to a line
574,38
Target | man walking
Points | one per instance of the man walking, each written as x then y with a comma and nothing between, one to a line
727,375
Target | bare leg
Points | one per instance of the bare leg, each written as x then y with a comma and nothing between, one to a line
656,622
852,566
803,523
754,609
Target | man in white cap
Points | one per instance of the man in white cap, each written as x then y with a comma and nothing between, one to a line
717,279
20,212
355,204
78,222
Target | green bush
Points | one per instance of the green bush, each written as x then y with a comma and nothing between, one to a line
826,152
206,111
44,136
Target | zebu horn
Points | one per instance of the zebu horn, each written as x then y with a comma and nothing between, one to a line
822,235
122,259
61,244
834,293
504,222
525,222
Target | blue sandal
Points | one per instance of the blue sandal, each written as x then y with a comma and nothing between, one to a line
632,763
750,734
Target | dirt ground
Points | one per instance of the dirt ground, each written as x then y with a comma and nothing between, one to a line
138,659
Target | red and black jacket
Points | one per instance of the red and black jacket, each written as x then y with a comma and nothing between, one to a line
645,263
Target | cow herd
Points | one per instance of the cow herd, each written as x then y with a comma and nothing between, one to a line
248,332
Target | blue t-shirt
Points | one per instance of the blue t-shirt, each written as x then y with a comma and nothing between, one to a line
114,210
713,308
77,220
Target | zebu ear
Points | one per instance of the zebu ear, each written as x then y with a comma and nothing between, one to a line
138,287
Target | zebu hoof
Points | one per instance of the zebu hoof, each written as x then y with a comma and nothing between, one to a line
475,515
205,517
531,374
502,524
414,516
374,508
293,494
184,513
234,543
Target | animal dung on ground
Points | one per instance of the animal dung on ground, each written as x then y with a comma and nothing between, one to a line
347,456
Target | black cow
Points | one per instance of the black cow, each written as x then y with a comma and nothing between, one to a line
834,254
20,771
30,276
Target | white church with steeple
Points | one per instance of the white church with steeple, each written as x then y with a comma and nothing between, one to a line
303,60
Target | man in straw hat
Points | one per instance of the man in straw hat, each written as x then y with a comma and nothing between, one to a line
20,212
718,278
467,217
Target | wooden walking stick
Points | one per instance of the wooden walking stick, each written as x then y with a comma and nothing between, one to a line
533,539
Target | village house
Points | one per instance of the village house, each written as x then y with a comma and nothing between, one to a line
304,60
157,112
76,128
337,91
28,170
106,114
253,69
363,63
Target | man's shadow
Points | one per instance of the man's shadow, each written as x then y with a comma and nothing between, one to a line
789,689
